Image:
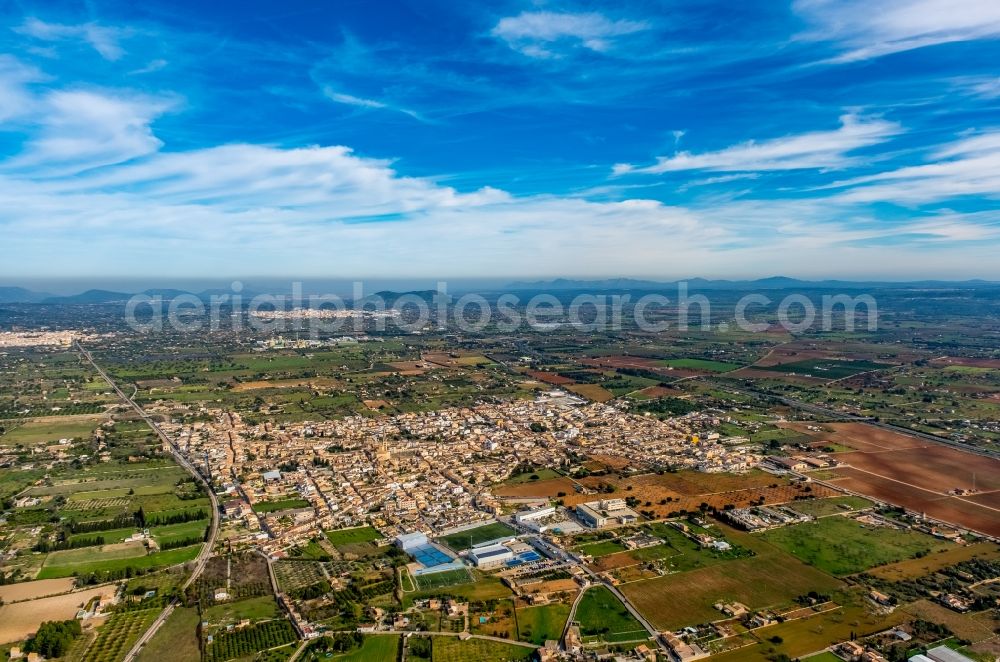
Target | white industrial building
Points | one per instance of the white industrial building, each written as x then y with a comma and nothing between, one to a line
491,556
536,514
408,541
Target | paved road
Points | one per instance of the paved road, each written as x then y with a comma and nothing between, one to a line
206,550
572,614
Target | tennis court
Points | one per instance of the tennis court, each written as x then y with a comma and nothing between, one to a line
429,556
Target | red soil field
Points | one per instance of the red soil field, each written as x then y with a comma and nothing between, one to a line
867,437
958,511
685,490
623,362
549,377
934,468
537,488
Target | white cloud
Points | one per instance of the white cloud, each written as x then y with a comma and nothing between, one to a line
533,33
967,167
361,102
82,129
988,89
103,39
816,149
867,30
351,100
95,190
15,99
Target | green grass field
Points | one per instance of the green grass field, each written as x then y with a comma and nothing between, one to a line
842,546
826,368
353,536
157,560
85,555
40,432
442,579
701,364
256,609
177,639
472,537
383,648
171,532
603,617
483,588
771,577
531,476
831,506
536,624
283,504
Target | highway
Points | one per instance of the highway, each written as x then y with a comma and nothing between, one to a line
206,550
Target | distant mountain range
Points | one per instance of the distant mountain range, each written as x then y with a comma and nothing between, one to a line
771,283
22,295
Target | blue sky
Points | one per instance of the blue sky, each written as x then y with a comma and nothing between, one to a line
505,139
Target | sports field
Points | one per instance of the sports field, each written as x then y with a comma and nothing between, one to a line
472,537
437,580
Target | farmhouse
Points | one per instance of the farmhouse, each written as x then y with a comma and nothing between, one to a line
789,463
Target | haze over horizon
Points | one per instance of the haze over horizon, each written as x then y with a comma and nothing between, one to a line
814,139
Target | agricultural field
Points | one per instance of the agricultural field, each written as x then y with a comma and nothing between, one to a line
20,619
117,636
602,617
918,567
451,649
701,364
243,642
259,608
832,506
669,494
471,537
768,578
374,648
843,546
808,635
85,564
295,575
177,639
49,430
353,536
